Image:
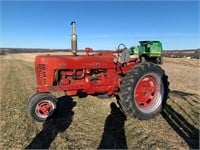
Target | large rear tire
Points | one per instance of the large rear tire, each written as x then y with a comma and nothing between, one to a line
41,106
143,91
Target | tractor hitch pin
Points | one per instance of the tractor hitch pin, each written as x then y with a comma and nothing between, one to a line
74,38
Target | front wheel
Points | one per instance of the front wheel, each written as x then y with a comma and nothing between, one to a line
143,91
41,106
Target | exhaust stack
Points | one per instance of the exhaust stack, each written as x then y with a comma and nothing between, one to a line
74,38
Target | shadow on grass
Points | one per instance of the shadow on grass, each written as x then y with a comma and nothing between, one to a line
182,127
59,122
194,97
114,135
191,99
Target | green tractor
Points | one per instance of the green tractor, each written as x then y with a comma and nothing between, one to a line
148,51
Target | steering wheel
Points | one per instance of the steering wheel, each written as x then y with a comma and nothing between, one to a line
123,53
123,47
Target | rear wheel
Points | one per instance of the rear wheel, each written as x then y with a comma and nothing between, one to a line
144,91
41,106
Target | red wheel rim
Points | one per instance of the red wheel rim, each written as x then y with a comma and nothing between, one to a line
146,92
44,109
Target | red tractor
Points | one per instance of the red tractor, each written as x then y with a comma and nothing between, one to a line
141,89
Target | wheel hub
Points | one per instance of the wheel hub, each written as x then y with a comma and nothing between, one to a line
146,91
44,108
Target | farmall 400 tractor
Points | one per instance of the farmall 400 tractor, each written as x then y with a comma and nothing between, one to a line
141,89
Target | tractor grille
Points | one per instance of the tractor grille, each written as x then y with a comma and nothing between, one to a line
41,73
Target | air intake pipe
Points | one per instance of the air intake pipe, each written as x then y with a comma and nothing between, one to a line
74,39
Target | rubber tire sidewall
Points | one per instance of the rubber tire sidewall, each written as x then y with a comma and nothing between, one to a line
35,100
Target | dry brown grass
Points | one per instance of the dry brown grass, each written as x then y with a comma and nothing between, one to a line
89,122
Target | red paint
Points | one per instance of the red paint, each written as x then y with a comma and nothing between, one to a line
91,73
44,108
145,92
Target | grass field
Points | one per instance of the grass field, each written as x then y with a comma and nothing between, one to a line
92,123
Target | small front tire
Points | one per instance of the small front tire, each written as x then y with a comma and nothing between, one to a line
41,106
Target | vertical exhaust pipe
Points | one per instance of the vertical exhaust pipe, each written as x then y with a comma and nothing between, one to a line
74,39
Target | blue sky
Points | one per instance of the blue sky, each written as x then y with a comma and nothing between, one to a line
100,24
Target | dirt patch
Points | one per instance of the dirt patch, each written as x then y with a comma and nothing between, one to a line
184,74
194,63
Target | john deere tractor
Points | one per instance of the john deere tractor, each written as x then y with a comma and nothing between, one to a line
148,51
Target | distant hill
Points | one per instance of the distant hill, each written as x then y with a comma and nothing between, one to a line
29,50
190,53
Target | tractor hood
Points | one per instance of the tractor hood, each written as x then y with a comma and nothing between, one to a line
77,62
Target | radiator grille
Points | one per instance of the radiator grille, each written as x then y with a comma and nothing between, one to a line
41,73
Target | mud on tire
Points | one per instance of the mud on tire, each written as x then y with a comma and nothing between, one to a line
143,91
